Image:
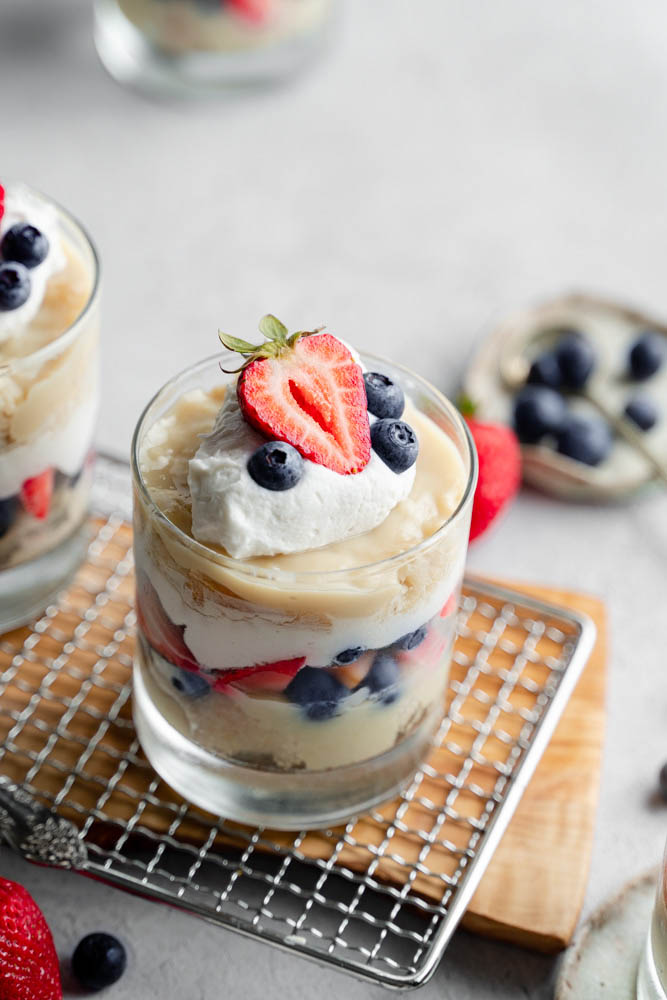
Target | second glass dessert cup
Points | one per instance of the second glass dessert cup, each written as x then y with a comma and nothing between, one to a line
49,398
238,742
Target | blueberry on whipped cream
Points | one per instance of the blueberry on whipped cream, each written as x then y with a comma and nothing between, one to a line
297,457
30,253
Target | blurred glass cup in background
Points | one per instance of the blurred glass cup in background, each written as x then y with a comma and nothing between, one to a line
652,977
174,47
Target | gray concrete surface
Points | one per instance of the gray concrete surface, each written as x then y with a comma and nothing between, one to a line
448,162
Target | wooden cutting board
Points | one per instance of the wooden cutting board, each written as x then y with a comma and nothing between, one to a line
533,890
61,682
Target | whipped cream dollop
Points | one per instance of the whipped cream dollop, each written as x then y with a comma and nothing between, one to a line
231,510
21,205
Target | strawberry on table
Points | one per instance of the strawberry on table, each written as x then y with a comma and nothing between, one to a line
36,494
499,460
305,389
28,962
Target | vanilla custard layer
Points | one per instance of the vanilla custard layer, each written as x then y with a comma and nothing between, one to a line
40,396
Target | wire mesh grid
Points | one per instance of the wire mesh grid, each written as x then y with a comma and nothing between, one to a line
379,897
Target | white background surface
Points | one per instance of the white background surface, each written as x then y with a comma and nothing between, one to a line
448,162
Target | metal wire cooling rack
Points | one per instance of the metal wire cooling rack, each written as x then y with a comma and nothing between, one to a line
380,897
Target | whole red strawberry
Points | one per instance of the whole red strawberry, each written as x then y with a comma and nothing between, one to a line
499,460
28,961
305,388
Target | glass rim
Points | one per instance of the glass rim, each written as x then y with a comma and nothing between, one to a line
53,346
241,566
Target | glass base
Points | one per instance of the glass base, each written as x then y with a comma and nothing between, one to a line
648,983
135,61
26,589
294,800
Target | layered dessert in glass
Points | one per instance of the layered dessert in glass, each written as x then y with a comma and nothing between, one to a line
191,45
300,536
48,396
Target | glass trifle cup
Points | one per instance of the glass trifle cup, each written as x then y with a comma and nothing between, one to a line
186,47
294,690
49,396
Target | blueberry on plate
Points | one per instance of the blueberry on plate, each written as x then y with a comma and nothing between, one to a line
349,655
545,370
99,960
585,439
538,411
576,359
412,639
24,243
189,683
395,443
643,412
9,509
317,692
384,396
276,465
646,354
14,286
382,678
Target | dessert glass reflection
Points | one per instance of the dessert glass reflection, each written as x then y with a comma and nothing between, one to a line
652,976
49,334
181,46
292,687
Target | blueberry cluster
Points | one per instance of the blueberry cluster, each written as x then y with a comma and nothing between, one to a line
277,465
318,691
540,409
22,248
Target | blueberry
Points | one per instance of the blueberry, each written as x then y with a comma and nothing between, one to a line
385,398
576,359
24,243
395,443
382,678
276,465
316,691
14,286
643,412
99,960
646,354
545,370
190,684
9,509
586,439
349,655
412,639
538,411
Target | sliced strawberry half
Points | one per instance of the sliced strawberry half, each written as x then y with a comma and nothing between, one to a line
253,10
306,389
264,677
36,494
158,628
